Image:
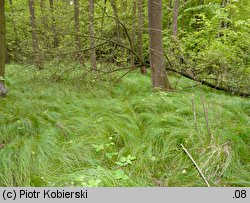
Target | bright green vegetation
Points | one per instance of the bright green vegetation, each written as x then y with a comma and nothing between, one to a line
94,134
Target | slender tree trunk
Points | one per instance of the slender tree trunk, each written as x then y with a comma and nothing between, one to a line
3,90
44,15
157,65
55,34
92,34
113,4
175,19
14,29
140,32
77,32
174,46
124,4
133,33
103,14
44,19
169,14
34,33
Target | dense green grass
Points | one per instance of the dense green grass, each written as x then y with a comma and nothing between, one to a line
74,133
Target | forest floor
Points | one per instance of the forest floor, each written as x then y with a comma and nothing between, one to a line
88,133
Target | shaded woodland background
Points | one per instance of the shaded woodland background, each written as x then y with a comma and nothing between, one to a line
124,93
207,41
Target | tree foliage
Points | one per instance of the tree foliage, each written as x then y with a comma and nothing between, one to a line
213,42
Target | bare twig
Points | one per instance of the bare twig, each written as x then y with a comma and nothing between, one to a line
196,165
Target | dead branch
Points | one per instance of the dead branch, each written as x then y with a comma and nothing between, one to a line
196,165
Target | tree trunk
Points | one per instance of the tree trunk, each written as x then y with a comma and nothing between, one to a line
55,34
92,34
169,14
133,33
15,34
157,65
140,32
44,20
175,19
113,4
44,15
34,33
3,90
103,14
77,32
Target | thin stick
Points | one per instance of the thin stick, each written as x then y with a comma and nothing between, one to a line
194,112
206,117
200,172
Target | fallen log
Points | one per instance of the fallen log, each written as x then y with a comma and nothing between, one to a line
204,82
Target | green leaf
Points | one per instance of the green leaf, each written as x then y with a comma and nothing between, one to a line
120,175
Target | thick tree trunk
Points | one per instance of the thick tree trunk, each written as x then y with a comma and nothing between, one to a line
34,33
55,34
133,33
92,34
157,65
3,90
140,31
77,32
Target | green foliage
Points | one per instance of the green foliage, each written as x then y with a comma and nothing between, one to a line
124,161
72,134
215,44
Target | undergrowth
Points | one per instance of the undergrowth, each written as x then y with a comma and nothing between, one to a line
76,133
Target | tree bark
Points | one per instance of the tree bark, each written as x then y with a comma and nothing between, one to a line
44,15
92,34
77,32
34,33
3,90
169,23
175,19
133,33
118,30
140,32
55,34
14,30
157,65
103,14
